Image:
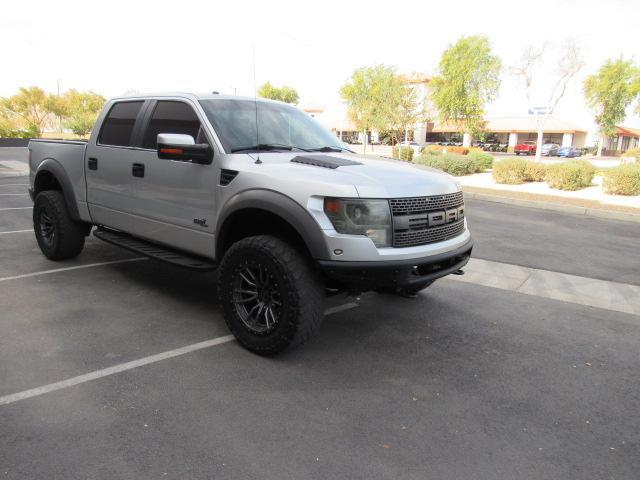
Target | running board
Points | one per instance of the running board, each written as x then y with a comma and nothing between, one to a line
152,250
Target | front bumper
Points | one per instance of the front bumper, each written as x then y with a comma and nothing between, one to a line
401,274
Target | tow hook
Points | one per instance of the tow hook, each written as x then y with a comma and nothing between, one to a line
458,272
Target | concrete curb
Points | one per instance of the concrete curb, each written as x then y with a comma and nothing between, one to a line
590,212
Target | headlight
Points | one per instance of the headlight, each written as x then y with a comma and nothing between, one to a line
361,217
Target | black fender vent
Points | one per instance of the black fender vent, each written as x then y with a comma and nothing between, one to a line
227,176
325,161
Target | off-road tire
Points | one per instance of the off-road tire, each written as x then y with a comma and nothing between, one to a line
66,237
299,288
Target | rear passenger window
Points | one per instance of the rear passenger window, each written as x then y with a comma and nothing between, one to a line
118,125
171,117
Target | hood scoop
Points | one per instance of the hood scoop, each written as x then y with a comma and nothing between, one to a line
325,161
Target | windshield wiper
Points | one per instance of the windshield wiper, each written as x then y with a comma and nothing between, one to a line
265,146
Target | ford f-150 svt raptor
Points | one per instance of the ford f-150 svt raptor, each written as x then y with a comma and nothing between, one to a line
260,191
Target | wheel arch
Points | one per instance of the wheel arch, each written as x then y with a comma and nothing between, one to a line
256,212
52,176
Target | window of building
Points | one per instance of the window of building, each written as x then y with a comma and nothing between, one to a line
118,125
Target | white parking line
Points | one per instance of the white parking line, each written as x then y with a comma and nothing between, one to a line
15,208
14,184
66,269
16,231
12,194
123,367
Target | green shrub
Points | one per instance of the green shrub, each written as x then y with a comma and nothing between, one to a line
450,162
514,171
633,152
535,171
623,180
483,160
511,171
402,153
571,175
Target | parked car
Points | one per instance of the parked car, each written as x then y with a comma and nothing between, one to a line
285,214
525,148
549,149
569,152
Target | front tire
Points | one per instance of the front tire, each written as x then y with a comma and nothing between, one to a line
58,236
271,296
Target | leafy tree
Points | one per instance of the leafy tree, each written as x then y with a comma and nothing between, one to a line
407,112
372,95
609,92
78,109
469,78
283,94
31,105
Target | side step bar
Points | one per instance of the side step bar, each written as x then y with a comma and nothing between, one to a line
152,250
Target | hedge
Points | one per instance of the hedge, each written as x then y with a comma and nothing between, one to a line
571,175
484,160
633,152
402,153
445,149
514,171
452,163
623,180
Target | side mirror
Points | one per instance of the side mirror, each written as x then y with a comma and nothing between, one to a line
183,148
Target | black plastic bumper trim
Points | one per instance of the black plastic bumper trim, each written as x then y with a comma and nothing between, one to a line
412,273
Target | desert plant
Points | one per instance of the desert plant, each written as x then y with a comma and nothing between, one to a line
511,171
623,180
571,175
483,160
633,152
450,162
534,171
402,153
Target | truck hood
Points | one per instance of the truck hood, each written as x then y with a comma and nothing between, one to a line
372,177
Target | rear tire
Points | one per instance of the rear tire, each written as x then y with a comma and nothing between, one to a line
58,236
272,297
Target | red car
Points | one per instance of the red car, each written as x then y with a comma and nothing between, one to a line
526,148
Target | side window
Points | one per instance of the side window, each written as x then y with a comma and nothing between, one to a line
171,117
118,124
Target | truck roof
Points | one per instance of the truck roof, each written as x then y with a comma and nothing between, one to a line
192,96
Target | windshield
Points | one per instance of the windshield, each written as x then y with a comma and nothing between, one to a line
279,125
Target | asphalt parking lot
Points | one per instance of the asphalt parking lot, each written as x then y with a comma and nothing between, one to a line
463,382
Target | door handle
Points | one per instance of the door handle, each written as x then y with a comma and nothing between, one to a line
137,170
92,163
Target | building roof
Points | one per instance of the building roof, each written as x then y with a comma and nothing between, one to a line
522,124
628,131
415,77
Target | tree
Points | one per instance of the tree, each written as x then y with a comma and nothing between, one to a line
568,62
469,78
78,109
372,95
609,92
283,94
407,112
31,105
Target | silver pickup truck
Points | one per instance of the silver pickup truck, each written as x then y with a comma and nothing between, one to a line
257,190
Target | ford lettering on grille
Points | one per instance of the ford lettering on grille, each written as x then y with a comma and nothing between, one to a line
422,220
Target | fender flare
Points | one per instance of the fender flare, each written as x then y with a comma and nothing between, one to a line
282,206
53,167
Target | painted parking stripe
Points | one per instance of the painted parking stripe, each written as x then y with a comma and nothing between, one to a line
66,269
123,367
15,208
14,184
619,297
12,194
16,231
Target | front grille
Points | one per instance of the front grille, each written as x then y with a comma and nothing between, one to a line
412,219
440,233
411,206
